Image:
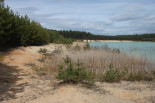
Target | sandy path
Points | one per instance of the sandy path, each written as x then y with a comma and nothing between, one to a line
74,94
28,88
23,84
124,92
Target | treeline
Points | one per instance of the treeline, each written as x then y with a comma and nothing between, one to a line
86,35
16,30
76,34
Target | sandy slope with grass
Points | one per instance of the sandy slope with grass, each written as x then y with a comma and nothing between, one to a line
20,84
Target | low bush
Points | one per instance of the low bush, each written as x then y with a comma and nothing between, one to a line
116,50
74,72
115,75
135,77
86,46
42,50
77,47
112,75
139,76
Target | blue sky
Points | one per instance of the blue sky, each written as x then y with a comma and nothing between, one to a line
104,17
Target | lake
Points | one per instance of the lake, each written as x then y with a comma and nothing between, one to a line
139,49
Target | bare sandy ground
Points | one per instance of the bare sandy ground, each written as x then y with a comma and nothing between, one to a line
22,85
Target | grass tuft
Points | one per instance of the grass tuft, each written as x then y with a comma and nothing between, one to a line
42,50
39,70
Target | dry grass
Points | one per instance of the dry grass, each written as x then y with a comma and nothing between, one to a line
99,60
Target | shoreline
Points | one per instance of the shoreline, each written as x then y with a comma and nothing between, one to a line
114,41
109,41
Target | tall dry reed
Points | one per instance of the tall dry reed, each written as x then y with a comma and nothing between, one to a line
101,60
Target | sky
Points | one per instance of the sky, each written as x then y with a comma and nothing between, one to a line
102,17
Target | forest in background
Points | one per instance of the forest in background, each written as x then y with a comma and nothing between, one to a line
81,35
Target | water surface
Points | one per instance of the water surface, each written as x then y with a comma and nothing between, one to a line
145,50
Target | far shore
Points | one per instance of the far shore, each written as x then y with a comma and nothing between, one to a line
114,41
108,41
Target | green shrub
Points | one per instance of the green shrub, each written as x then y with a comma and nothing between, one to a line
112,76
77,47
73,72
87,46
116,50
135,77
124,74
55,37
42,50
140,76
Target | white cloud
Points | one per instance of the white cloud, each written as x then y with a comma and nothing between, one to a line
96,16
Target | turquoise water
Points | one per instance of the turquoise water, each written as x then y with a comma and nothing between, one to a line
140,49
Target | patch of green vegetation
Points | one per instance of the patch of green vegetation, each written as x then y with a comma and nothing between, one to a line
135,77
74,72
115,75
42,50
116,50
112,75
55,37
39,70
77,47
86,46
140,76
